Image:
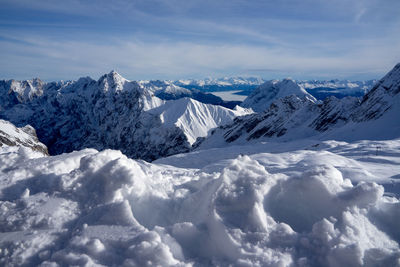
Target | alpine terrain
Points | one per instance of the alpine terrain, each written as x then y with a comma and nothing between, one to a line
109,113
300,182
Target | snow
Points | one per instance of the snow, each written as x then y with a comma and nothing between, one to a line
328,200
307,203
25,136
114,112
295,117
222,82
338,86
194,118
8,129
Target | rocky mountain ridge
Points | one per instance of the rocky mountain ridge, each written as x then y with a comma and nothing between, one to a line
295,117
111,112
25,137
260,99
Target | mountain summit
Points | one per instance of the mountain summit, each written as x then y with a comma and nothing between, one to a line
260,99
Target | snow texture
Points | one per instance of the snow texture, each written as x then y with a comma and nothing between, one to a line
322,205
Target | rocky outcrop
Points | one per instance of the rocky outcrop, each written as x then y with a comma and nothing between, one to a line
25,136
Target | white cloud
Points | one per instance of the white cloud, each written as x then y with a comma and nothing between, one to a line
50,59
165,41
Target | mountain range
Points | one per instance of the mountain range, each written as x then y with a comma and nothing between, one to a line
295,114
153,119
299,182
111,112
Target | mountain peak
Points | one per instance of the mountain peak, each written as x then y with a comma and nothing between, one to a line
391,81
265,94
115,76
389,84
114,81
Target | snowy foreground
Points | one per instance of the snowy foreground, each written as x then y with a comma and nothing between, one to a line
303,204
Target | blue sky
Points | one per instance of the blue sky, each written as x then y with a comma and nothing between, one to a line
161,39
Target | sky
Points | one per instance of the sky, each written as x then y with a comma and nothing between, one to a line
180,39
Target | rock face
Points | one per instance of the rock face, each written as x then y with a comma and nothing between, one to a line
109,113
260,99
25,136
382,97
294,117
284,117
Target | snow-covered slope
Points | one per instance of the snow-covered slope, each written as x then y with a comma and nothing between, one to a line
381,97
260,99
294,117
195,118
25,137
110,113
305,204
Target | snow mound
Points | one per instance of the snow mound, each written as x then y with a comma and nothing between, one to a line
303,207
261,98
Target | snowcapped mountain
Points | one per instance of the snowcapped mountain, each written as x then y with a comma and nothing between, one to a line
384,96
25,137
222,82
109,113
337,88
320,89
166,90
194,118
296,117
260,99
244,85
313,200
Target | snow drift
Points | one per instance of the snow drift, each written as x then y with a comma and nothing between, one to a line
304,207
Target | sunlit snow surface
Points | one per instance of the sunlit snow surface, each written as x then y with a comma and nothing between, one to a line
275,204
